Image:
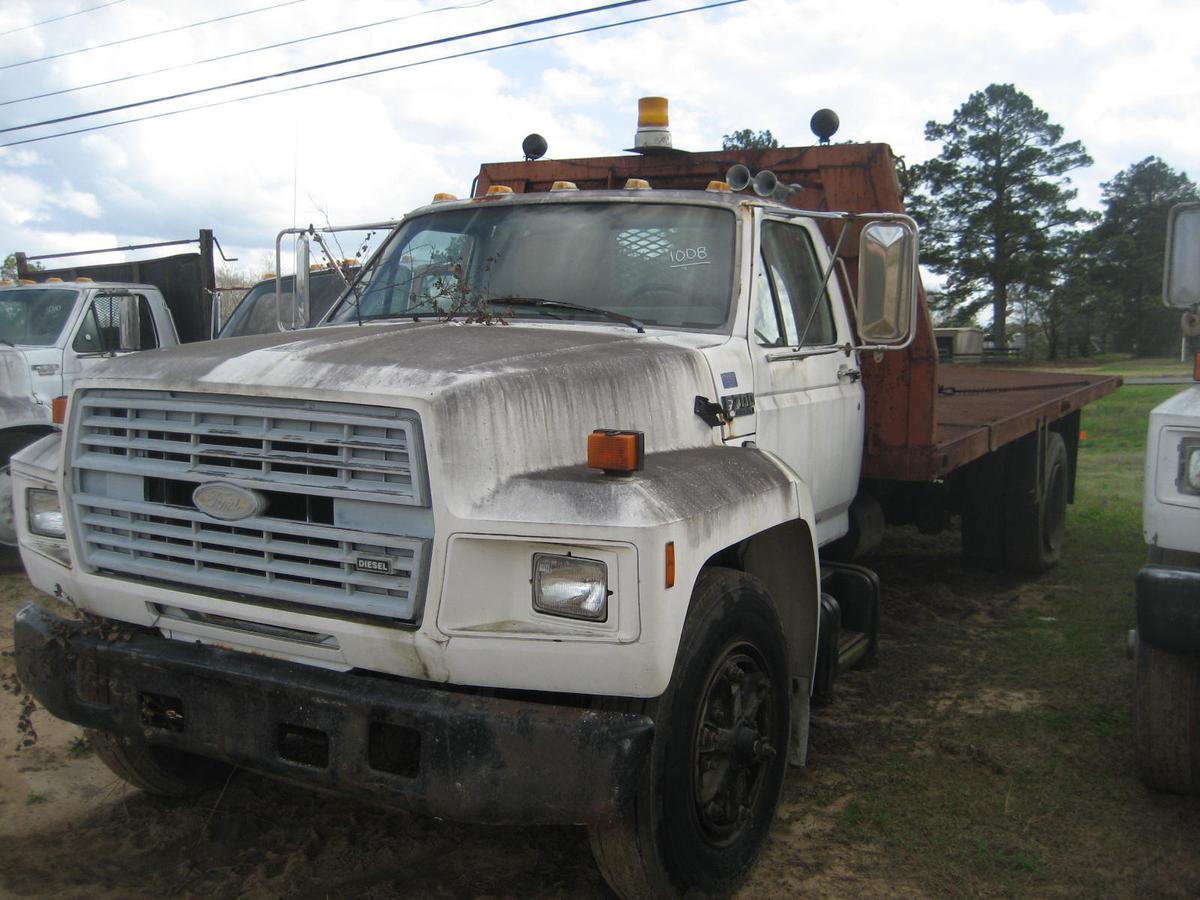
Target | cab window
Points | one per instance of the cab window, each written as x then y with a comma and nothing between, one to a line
116,323
788,283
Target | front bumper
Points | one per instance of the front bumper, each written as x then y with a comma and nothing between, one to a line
391,741
1168,607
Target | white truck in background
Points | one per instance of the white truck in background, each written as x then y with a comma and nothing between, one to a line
58,324
1167,640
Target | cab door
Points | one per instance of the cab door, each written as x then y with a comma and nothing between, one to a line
112,324
807,381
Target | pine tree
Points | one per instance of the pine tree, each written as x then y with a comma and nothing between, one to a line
1129,262
746,139
994,205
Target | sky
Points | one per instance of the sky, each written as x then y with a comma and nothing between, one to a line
1123,78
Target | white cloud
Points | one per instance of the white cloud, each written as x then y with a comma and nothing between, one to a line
1121,78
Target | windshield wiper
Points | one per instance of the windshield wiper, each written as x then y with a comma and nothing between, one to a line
563,304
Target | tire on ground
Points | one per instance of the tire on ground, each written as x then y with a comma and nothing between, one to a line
710,789
160,771
1036,521
1166,719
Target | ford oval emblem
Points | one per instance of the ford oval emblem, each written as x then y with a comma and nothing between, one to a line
228,501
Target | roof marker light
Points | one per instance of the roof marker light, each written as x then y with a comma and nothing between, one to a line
564,186
442,197
53,279
719,186
83,279
498,190
637,184
28,281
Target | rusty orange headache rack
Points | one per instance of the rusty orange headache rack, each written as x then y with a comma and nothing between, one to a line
923,420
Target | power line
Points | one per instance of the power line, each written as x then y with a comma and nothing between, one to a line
60,18
299,87
200,62
142,37
324,65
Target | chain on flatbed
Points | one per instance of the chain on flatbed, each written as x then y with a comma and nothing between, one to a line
951,391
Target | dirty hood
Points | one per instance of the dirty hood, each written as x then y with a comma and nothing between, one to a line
494,400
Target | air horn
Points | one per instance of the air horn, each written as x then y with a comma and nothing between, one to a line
765,183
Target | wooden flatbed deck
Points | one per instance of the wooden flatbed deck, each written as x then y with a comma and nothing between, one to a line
979,409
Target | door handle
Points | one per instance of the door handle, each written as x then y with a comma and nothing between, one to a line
847,372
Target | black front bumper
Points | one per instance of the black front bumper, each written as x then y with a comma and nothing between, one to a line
397,742
1168,607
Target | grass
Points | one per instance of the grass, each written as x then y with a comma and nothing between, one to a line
79,747
1118,364
989,752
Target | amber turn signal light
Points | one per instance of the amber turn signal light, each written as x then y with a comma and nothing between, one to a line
616,452
58,410
1196,368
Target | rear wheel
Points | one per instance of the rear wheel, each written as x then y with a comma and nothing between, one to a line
1036,520
1166,719
710,789
156,770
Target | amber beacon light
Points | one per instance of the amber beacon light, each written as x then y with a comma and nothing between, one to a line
616,452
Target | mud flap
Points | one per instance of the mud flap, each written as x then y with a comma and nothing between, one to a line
798,739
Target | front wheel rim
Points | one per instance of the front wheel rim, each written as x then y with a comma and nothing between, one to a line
731,743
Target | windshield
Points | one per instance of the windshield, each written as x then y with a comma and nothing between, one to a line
256,313
35,316
668,265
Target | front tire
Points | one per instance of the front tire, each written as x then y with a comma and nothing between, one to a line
160,771
710,789
1166,719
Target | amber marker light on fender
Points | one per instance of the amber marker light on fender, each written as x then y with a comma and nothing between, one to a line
670,564
58,410
616,452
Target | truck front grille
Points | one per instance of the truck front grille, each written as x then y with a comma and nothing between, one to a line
343,525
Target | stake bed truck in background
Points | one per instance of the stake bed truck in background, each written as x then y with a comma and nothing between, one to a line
551,521
58,324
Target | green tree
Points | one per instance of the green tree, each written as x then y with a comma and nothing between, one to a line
749,140
1128,263
8,271
994,205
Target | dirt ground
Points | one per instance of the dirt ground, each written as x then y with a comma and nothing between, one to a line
68,828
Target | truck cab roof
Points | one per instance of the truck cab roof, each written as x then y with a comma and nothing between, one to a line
79,285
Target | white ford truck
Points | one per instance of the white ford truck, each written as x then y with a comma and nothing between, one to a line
1167,684
53,333
531,528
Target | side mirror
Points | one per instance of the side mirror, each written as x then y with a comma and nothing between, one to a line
292,313
300,291
887,282
1181,267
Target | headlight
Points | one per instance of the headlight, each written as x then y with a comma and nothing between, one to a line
570,586
44,513
1189,466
